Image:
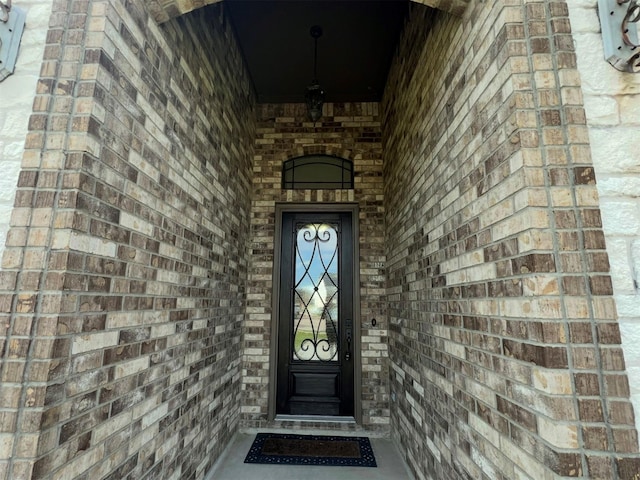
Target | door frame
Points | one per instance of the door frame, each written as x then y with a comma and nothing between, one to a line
282,208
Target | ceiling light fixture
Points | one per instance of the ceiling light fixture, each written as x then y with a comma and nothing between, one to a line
314,95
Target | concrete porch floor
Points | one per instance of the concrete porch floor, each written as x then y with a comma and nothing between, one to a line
232,467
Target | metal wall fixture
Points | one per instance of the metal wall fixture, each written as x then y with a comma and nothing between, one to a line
619,20
12,20
314,95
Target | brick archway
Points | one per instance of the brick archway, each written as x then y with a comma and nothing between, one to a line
164,10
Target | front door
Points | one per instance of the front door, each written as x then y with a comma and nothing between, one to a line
316,338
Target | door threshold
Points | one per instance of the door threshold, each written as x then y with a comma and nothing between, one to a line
315,418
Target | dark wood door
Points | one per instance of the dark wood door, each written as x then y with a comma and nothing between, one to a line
315,355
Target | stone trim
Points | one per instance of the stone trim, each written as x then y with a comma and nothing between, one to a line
164,10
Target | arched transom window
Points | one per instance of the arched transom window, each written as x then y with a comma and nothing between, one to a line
317,172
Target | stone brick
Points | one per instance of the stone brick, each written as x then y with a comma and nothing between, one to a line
600,467
628,468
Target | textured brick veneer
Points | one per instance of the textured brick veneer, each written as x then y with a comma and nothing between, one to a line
505,350
136,280
124,276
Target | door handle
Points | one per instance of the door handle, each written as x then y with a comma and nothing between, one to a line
347,354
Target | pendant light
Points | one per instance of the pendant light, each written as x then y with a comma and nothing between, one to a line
314,95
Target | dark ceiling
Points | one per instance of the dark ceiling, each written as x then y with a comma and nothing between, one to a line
354,52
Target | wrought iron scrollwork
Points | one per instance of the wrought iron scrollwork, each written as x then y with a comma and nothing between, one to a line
315,332
618,20
5,8
632,16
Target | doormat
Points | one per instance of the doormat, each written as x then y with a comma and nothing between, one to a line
289,449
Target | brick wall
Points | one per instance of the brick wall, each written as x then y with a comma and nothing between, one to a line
18,91
612,105
123,283
504,346
351,131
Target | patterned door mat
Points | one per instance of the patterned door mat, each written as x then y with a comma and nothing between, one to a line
289,449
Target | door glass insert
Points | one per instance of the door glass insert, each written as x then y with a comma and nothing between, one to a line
315,362
315,318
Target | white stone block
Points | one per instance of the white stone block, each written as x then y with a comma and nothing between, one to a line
621,217
629,109
628,306
5,211
584,19
38,15
601,110
621,269
13,150
618,185
15,122
17,89
615,149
